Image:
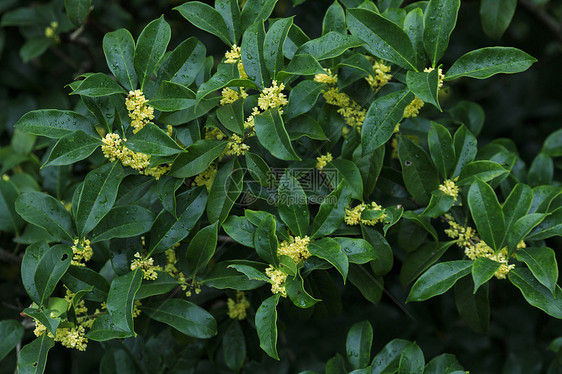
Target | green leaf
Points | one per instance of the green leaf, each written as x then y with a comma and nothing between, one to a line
483,169
184,316
231,116
421,259
550,226
253,54
44,317
272,134
293,205
240,229
440,18
95,201
77,10
168,230
411,360
153,141
259,170
119,50
439,204
331,213
201,249
485,62
226,187
438,279
78,278
98,84
182,65
252,272
72,148
541,170
117,361
370,286
234,345
223,276
496,16
473,308
256,11
161,285
487,214
54,123
11,334
387,360
266,325
104,329
34,47
413,26
150,48
297,293
425,85
465,148
302,98
10,221
121,298
330,45
206,18
521,228
305,125
384,38
358,344
301,65
123,221
47,212
358,251
535,293
445,363
470,114
172,96
265,241
381,119
334,19
230,12
328,249
197,158
33,356
542,263
419,173
553,144
48,266
384,257
273,45
483,270
517,204
423,222
350,175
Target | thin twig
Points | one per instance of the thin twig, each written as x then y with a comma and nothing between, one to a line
543,17
9,257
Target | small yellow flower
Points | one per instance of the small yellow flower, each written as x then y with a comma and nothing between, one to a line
139,112
82,252
441,75
296,249
237,308
353,114
236,146
449,188
413,109
380,76
323,160
206,178
233,55
277,280
51,31
328,78
272,97
146,265
353,216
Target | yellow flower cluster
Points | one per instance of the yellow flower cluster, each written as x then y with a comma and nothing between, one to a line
236,146
413,109
353,216
146,265
380,77
237,308
139,113
328,78
214,133
450,188
51,31
323,160
82,252
296,249
229,95
171,269
235,56
272,97
206,177
113,149
278,279
474,247
441,75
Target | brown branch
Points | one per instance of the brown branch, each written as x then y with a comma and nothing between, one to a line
543,17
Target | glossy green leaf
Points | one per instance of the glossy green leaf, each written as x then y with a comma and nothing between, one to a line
370,285
413,26
331,213
231,116
256,11
206,18
440,18
330,250
421,259
439,279
78,278
44,317
226,187
470,114
387,360
302,98
517,204
483,169
197,158
439,204
172,96
222,276
265,241
50,266
521,228
485,62
121,298
411,360
334,19
123,221
293,205
330,45
496,16
381,119
11,333
33,356
549,227
117,361
425,85
153,141
384,38
95,201
184,316
487,214
483,270
169,230
161,285
253,54
297,293
54,123
119,50
230,12
98,84
273,45
259,170
473,308
358,251
251,272
301,65
77,10
272,134
183,64
150,48
542,263
535,293
240,229
465,148
384,257
47,212
419,173
234,345
266,325
553,144
104,329
358,344
10,221
201,249
541,170
72,148
350,174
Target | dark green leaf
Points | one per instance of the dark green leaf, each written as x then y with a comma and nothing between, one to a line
370,286
387,360
256,11
302,98
161,285
266,325
465,148
72,148
413,26
438,279
496,16
541,170
330,45
550,226
252,54
350,174
301,65
358,251
98,84
553,144
230,12
45,211
265,241
197,158
259,170
119,50
172,96
206,18
201,249
78,278
293,205
184,63
384,257
272,134
234,345
334,19
54,123
11,333
273,45
222,276
231,116
123,222
330,250
517,204
439,204
422,258
440,18
10,221
33,357
77,10
150,48
483,270
483,170
121,298
226,187
358,344
153,141
296,292
425,85
331,213
419,173
240,229
542,263
487,214
411,360
521,228
535,293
